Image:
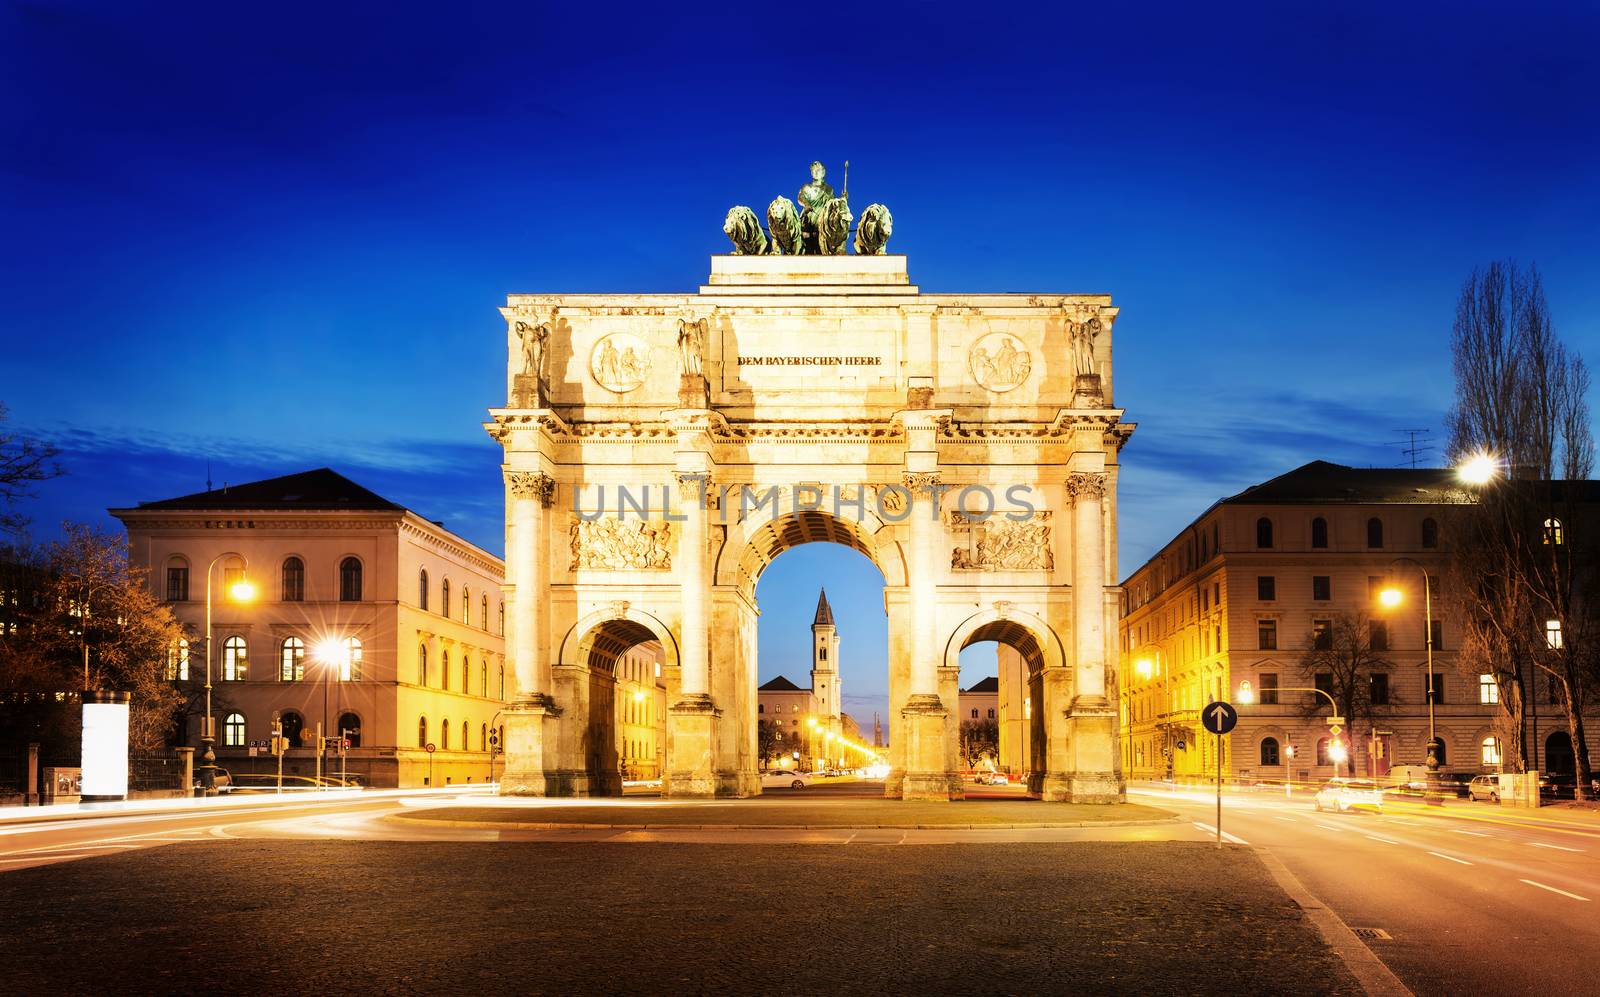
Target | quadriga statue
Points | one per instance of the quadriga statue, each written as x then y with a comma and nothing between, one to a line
744,229
833,227
784,223
873,231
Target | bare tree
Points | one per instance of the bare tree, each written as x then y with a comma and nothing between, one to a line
978,739
766,740
1343,657
24,462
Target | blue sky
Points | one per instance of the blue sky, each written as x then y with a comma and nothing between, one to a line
275,237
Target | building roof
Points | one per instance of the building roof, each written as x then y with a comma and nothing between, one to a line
323,488
824,611
1322,481
990,684
779,684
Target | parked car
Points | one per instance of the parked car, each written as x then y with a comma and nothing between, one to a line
1484,787
993,779
1558,786
263,783
1340,795
784,778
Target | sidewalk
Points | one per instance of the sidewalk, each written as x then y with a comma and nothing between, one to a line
25,816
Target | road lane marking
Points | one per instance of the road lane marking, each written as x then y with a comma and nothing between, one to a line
1552,889
1561,848
1232,839
1289,819
1475,834
1327,827
1449,858
1387,841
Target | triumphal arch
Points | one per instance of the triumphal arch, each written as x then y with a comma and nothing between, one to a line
662,449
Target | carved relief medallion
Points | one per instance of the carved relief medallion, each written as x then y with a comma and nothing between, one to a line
620,362
999,362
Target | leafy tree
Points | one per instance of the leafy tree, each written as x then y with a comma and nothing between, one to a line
979,738
1343,654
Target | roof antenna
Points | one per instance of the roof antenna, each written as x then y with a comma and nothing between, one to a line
1415,445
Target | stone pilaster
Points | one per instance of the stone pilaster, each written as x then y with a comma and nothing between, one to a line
925,718
530,719
692,720
1091,743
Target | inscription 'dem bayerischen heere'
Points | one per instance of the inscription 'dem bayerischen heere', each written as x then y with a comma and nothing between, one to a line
810,361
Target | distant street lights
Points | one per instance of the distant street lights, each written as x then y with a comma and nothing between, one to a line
241,591
1146,668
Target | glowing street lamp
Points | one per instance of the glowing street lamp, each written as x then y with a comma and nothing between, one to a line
1144,667
1478,469
1392,597
242,592
1246,693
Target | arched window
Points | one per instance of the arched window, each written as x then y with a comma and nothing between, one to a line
502,681
1552,533
483,677
177,579
294,580
464,744
1430,533
444,734
292,724
350,580
483,736
422,589
292,660
350,726
484,615
1490,751
422,664
1442,753
1319,533
233,730
350,666
1322,751
444,670
466,674
466,605
1269,751
1374,533
502,607
1264,533
422,732
178,660
444,598
235,659
974,714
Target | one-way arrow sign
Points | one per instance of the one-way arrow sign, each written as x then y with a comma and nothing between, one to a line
1219,717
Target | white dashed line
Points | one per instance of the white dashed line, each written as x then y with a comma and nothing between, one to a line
1561,848
1449,858
1552,889
1289,819
1328,827
1230,838
1475,834
1387,841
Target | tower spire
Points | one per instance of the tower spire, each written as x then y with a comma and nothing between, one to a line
824,611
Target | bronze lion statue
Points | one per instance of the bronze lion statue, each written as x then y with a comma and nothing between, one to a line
744,229
873,231
833,227
784,224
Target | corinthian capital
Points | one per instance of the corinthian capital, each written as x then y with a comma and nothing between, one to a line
1082,484
921,482
695,487
532,484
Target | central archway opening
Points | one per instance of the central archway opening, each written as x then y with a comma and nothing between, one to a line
1000,733
621,687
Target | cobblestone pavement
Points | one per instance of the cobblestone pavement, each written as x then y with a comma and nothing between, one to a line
303,917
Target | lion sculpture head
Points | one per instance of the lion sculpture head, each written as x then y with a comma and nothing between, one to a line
833,227
784,224
744,229
872,234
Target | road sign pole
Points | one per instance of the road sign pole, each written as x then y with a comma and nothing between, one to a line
1219,790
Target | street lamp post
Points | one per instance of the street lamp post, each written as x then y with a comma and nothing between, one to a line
241,591
1247,696
332,654
1146,668
1391,597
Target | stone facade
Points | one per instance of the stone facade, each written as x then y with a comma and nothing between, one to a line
801,399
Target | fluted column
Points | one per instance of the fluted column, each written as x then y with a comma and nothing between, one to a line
694,579
1087,491
531,494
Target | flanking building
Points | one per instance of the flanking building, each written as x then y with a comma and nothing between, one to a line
367,620
1258,578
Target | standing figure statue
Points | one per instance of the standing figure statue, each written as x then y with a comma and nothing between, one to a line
813,197
1083,337
533,339
691,345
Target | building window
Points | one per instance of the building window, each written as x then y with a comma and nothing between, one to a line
1374,532
822,654
292,660
1322,634
294,580
1269,751
444,734
483,616
1323,681
466,605
1319,533
1437,692
444,670
1266,588
1268,681
422,664
1552,533
991,714
422,732
177,580
350,728
290,724
178,661
1430,533
1267,635
1552,634
466,676
464,743
761,707
233,731
1490,750
1321,588
1264,533
483,736
502,681
1436,634
1442,753
483,677
502,610
350,666
974,714
1322,751
235,659
444,598
1378,635
1378,688
1488,690
350,580
422,589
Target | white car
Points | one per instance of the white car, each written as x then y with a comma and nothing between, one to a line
784,779
1340,795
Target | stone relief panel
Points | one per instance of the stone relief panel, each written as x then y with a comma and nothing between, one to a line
1000,544
620,362
621,543
999,362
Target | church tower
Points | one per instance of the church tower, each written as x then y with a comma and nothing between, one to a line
825,665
